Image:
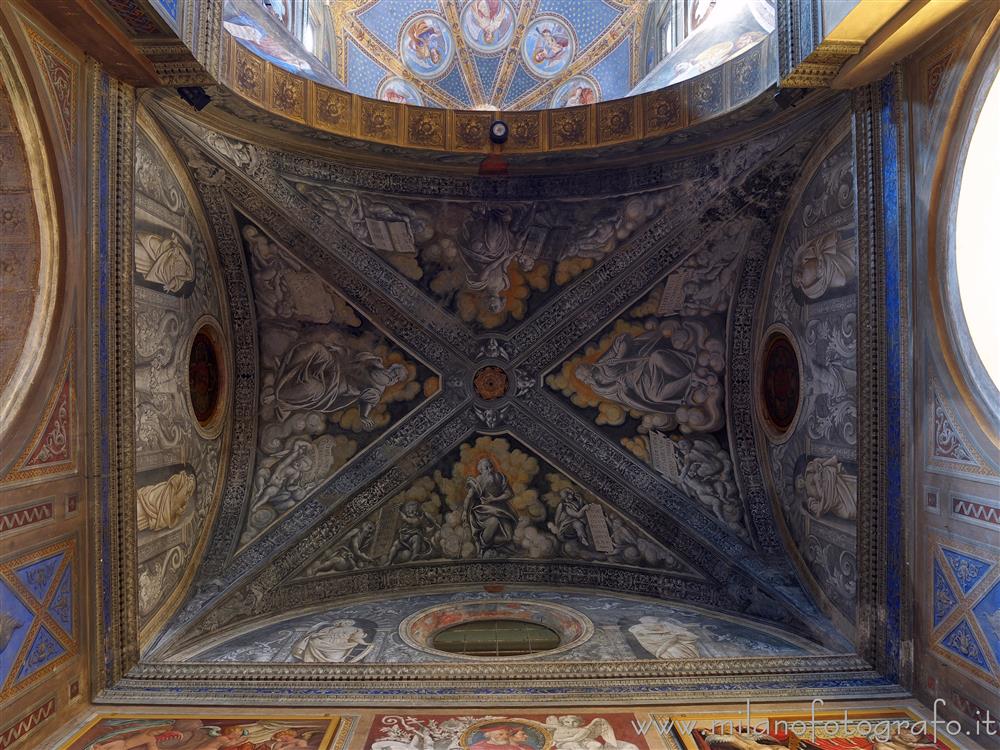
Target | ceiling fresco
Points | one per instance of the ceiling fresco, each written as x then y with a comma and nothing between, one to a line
542,380
492,54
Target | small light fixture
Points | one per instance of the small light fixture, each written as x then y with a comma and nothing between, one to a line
195,96
499,131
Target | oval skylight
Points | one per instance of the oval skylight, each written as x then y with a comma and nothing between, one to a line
977,248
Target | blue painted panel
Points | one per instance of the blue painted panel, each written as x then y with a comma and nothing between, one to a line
385,18
968,570
890,146
454,84
612,72
962,642
15,623
487,68
363,73
169,7
44,650
520,84
37,576
589,18
987,612
944,598
61,608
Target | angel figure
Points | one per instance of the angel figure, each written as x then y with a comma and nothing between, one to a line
569,733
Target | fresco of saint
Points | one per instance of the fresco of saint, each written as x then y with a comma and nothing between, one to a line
664,639
487,507
426,46
547,47
487,25
335,643
323,377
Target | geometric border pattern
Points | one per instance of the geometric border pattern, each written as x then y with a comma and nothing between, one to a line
54,638
958,634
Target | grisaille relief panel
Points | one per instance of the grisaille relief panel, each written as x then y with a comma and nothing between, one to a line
813,296
331,382
624,629
178,465
490,263
654,379
492,498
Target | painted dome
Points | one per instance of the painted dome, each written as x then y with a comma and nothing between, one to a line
497,54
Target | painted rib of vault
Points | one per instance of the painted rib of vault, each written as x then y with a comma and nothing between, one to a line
670,297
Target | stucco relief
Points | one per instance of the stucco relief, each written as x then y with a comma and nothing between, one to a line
813,295
331,382
177,468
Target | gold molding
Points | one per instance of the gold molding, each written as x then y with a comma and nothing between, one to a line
629,119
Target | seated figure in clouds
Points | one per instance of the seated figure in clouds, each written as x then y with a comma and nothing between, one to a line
160,506
488,511
670,370
313,376
488,246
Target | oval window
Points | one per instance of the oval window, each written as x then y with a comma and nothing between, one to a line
779,383
496,638
203,377
977,259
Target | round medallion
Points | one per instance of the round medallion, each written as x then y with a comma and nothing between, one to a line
488,25
426,45
490,383
576,92
548,46
779,382
395,89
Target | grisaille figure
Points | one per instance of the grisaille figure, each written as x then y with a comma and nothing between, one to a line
315,376
488,511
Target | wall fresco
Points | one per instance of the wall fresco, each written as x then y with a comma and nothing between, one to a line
813,296
524,730
851,729
624,629
123,732
178,464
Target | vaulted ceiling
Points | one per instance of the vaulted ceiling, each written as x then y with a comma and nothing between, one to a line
511,54
573,357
